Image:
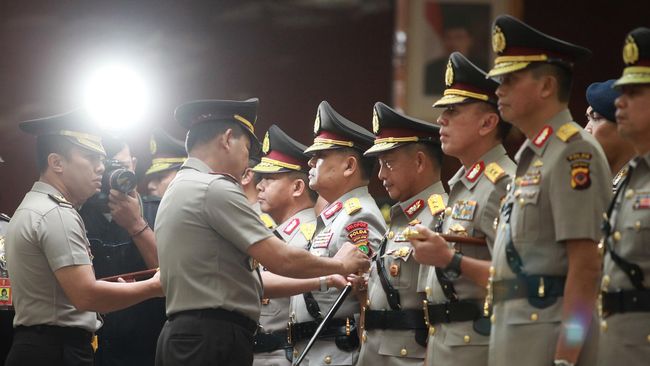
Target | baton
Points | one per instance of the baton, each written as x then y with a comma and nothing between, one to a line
133,276
330,314
410,233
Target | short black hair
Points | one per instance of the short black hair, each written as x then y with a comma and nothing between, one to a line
202,133
51,144
313,196
432,150
562,73
367,164
503,127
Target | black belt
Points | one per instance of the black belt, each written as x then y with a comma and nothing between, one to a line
56,332
457,311
530,286
394,319
335,328
221,315
625,301
269,342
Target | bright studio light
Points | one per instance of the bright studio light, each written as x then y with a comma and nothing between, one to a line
116,97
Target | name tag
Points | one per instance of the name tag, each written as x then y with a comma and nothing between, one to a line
464,210
641,201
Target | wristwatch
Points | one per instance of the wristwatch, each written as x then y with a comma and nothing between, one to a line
323,283
562,363
453,268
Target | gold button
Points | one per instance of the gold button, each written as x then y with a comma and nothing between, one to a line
517,193
617,235
637,225
492,271
328,359
432,330
448,211
391,235
367,303
466,338
533,317
521,201
605,281
364,337
493,319
427,290
629,193
603,326
508,187
403,352
295,352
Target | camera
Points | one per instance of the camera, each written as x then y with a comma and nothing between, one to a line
115,177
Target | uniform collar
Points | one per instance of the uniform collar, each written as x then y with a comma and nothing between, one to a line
333,209
471,178
196,164
419,199
45,188
291,226
645,158
539,143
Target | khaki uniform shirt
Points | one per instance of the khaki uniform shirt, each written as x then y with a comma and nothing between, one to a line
354,217
474,202
625,337
398,347
561,189
203,230
46,234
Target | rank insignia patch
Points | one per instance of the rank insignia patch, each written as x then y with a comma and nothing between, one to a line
543,136
580,176
436,204
334,208
641,201
414,208
566,131
494,172
352,205
358,232
464,210
475,172
291,226
308,229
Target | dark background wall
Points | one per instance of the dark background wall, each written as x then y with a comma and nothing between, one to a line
291,54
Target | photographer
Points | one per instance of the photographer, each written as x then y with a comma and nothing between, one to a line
122,242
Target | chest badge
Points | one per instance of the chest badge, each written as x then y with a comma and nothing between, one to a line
464,210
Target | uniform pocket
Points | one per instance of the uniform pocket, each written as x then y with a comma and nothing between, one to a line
526,213
463,334
637,226
401,345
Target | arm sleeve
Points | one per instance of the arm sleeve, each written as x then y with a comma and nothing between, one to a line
578,205
491,210
63,239
230,214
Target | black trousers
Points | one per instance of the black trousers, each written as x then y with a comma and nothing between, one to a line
202,339
52,346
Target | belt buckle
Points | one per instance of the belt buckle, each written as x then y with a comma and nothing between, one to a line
425,308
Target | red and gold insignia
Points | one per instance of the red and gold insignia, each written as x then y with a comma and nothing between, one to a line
334,208
292,226
475,172
543,136
358,232
580,176
641,201
414,208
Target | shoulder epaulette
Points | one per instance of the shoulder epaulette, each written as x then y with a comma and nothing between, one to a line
267,220
307,229
436,204
566,131
60,200
4,217
494,172
352,205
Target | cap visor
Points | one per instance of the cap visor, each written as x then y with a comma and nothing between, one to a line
88,145
157,168
632,78
320,146
506,68
265,167
449,100
381,147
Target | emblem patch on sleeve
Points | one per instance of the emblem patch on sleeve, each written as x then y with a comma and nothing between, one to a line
580,178
358,232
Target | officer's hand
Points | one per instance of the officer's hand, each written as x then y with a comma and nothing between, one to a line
430,248
337,281
359,283
353,259
125,209
156,286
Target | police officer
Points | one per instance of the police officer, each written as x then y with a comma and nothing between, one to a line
168,154
340,174
602,124
48,254
210,242
625,308
285,195
546,264
472,131
409,157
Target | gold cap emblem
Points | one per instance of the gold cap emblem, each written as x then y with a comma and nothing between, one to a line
375,122
449,74
317,123
498,40
266,144
630,51
153,147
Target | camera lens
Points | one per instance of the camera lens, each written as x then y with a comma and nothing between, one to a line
122,180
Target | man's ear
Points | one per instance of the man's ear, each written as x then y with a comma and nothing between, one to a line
420,161
549,86
247,177
56,162
488,123
298,187
226,139
351,165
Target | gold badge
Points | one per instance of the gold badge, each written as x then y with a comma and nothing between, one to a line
375,122
436,204
498,40
449,74
566,131
317,123
153,147
266,144
630,51
352,205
